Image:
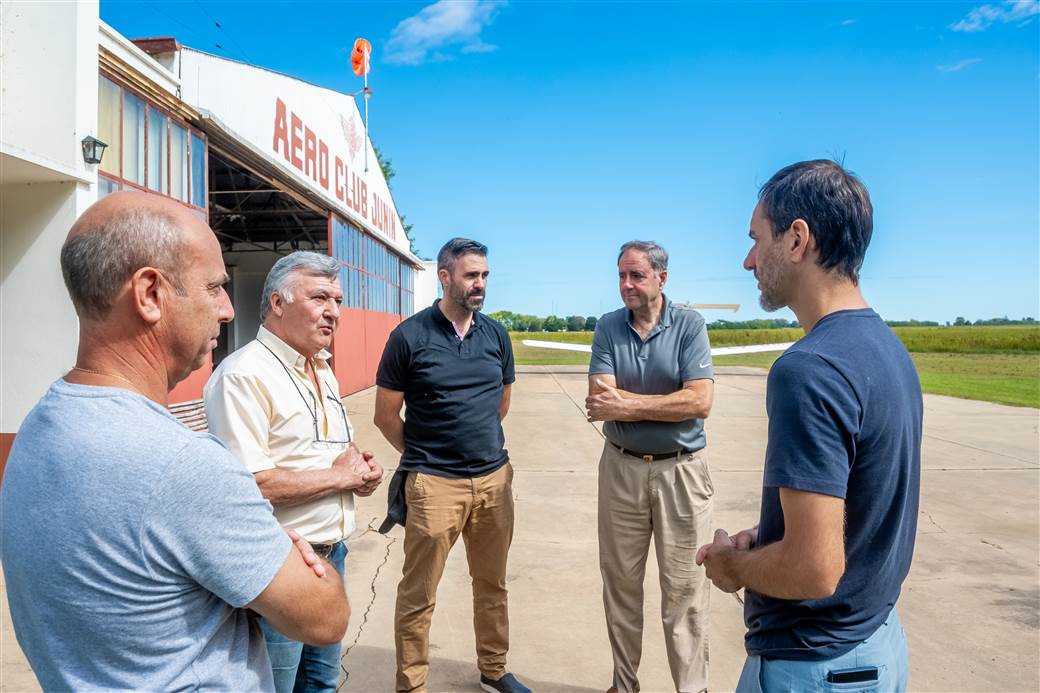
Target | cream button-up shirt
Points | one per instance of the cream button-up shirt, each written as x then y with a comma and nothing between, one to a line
265,409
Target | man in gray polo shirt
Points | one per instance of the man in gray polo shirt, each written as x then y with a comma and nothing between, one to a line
651,382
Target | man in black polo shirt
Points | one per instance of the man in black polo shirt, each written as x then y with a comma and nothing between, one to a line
454,369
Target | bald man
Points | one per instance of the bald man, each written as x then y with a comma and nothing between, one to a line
133,547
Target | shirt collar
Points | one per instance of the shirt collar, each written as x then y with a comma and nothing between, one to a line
285,353
665,321
439,316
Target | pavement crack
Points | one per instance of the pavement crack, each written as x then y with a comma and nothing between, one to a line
994,545
364,618
932,520
581,409
975,447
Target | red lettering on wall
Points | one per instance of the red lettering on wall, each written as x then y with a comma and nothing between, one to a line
323,164
340,189
281,134
310,153
297,142
311,156
354,200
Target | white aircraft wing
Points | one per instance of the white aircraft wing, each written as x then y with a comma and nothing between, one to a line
721,351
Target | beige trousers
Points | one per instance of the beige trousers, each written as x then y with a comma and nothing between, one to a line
670,500
439,510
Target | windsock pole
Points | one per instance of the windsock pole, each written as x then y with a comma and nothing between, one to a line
366,110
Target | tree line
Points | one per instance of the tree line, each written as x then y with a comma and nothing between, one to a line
515,322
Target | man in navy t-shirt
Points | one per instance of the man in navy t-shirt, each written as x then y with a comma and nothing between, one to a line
823,568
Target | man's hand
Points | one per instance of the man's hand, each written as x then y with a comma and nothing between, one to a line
309,557
606,405
372,474
715,557
746,539
352,469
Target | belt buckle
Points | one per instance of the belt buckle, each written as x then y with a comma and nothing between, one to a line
648,458
323,551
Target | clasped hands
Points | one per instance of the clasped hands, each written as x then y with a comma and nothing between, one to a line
363,467
717,556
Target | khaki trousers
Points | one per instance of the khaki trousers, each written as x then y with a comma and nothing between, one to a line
439,509
670,500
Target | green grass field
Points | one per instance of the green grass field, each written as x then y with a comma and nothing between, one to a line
992,364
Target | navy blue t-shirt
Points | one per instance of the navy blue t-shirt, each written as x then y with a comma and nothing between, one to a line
845,410
452,391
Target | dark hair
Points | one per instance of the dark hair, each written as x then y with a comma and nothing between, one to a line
655,254
832,202
456,248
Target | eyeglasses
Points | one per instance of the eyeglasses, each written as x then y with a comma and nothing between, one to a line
320,442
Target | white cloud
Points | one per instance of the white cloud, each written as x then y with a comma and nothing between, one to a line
958,66
984,16
420,38
848,22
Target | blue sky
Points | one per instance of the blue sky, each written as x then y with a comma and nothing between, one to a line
554,132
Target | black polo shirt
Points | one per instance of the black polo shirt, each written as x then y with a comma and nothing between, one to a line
452,391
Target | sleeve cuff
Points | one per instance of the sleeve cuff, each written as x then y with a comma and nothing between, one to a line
262,580
822,486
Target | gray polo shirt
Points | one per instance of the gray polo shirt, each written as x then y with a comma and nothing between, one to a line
676,351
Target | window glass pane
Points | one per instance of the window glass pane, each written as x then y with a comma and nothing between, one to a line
198,171
133,138
158,150
108,125
178,162
106,186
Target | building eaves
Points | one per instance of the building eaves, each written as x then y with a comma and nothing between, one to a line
265,165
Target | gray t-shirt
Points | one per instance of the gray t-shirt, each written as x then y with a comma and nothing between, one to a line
129,546
677,350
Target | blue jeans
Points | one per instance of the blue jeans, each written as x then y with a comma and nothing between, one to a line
884,649
300,668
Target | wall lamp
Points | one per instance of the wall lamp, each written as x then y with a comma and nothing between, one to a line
93,150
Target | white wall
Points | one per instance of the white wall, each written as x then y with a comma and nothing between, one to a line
49,72
427,288
39,329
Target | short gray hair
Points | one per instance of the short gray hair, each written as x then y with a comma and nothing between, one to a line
657,255
456,248
97,261
281,278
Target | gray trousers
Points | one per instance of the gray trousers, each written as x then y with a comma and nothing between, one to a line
671,501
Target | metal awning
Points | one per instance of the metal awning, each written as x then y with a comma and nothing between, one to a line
268,177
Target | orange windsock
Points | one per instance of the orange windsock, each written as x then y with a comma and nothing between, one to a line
359,57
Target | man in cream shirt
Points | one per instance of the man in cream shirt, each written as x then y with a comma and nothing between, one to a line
275,404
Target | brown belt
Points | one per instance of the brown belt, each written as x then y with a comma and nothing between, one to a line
323,550
647,457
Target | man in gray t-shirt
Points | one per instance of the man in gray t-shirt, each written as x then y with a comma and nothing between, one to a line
651,383
130,544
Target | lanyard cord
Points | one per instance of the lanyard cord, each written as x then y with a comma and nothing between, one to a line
314,412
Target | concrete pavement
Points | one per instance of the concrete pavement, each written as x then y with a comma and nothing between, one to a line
971,606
